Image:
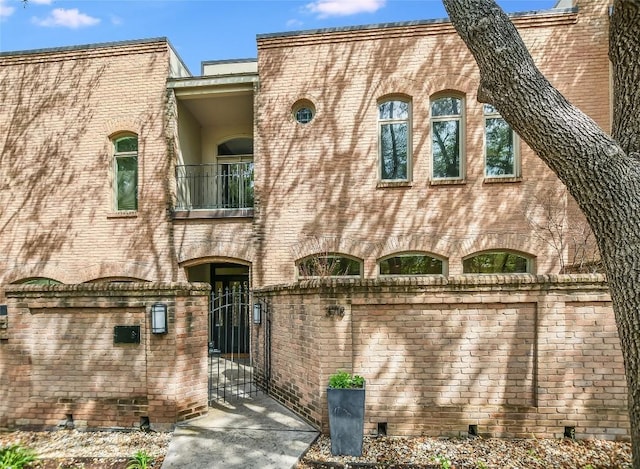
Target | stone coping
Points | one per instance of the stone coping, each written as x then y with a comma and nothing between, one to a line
453,283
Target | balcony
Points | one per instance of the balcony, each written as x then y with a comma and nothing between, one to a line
214,190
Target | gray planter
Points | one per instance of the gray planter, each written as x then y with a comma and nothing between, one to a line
346,420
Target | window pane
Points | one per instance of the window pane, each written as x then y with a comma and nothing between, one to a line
411,265
304,115
446,107
394,110
495,263
499,148
127,144
393,146
328,266
127,183
446,149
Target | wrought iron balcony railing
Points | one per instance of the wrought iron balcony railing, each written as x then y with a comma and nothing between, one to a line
214,186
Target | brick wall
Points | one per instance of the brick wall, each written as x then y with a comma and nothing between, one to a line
317,184
61,107
516,356
60,357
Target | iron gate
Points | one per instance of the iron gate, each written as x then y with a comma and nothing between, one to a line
230,361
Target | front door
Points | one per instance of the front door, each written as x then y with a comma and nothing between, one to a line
230,308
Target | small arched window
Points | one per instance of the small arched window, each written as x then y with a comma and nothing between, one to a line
394,134
125,163
447,136
37,281
329,265
497,262
411,264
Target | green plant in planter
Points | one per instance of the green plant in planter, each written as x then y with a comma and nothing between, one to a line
344,380
345,398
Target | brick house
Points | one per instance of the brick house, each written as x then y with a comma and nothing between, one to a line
386,221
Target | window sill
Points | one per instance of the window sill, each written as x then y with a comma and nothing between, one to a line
447,182
384,184
498,180
123,214
213,213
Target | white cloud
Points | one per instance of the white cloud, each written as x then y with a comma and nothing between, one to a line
5,10
116,20
41,2
294,23
67,18
326,8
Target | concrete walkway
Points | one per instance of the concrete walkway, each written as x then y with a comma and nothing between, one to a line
255,432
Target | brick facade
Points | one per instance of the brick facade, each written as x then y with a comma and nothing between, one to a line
516,356
60,357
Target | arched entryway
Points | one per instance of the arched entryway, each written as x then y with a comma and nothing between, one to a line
229,325
229,342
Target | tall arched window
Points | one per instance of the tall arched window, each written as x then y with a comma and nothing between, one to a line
447,137
125,163
394,134
500,151
234,174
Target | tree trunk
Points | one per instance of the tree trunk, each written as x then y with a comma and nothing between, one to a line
601,172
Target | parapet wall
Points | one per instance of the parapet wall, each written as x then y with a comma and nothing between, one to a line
514,356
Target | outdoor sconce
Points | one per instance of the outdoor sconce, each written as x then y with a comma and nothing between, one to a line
159,318
257,313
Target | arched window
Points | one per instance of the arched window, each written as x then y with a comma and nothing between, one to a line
394,135
500,152
125,163
37,281
497,262
329,265
447,136
234,173
411,264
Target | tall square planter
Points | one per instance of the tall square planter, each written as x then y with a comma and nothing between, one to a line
346,420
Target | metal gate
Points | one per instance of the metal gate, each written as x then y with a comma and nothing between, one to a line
230,361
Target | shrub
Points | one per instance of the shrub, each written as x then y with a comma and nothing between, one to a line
344,380
16,457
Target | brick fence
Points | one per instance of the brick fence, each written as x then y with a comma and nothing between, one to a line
515,356
60,362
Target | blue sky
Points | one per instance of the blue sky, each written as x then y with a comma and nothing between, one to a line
201,29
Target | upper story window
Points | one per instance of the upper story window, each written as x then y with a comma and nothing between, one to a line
497,262
447,137
126,173
329,265
411,264
303,111
394,133
499,145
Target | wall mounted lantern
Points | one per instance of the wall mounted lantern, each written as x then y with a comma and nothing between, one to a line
257,313
159,318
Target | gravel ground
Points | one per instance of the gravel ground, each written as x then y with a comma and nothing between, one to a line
473,453
71,449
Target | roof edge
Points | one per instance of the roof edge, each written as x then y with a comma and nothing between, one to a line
99,45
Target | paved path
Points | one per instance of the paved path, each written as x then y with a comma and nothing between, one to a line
248,433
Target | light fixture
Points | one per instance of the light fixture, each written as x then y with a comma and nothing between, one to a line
159,318
257,313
